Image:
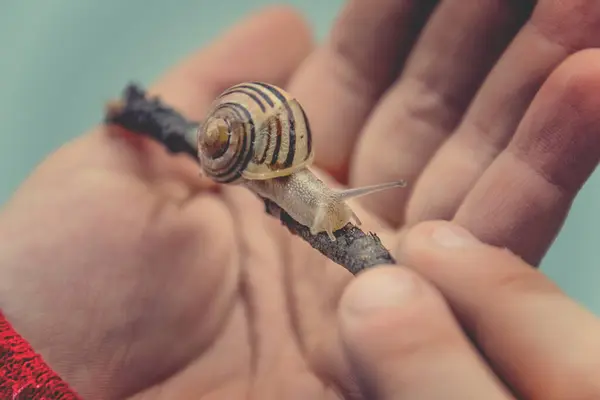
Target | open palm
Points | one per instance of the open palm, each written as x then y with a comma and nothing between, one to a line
134,278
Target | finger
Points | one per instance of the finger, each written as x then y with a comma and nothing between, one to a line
267,46
341,82
540,341
523,198
457,49
403,342
243,53
555,30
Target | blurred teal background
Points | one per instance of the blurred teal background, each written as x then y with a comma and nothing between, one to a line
61,60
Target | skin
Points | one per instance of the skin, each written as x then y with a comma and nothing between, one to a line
136,279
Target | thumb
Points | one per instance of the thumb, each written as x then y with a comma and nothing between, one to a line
403,343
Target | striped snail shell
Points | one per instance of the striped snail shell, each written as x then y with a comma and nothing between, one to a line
258,136
254,131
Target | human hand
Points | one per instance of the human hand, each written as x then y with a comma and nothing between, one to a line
465,123
403,329
144,281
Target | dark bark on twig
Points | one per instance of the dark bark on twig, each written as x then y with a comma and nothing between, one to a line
354,249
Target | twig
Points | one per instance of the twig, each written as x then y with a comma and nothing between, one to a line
354,249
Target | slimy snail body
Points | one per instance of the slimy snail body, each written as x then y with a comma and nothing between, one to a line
258,136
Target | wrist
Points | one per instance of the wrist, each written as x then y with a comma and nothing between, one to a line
23,372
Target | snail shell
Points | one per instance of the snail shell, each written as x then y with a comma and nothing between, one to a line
257,135
254,131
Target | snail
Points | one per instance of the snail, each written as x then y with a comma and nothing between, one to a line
258,136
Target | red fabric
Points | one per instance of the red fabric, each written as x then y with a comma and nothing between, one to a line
23,373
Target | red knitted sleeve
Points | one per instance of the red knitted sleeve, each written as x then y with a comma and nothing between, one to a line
23,373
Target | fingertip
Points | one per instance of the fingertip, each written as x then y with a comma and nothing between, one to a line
290,19
381,301
294,34
379,288
267,45
558,137
462,267
431,237
578,78
414,234
423,230
445,251
260,26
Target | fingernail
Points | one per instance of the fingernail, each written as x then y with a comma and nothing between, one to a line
453,236
379,289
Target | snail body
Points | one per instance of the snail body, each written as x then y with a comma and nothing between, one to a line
312,203
258,136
